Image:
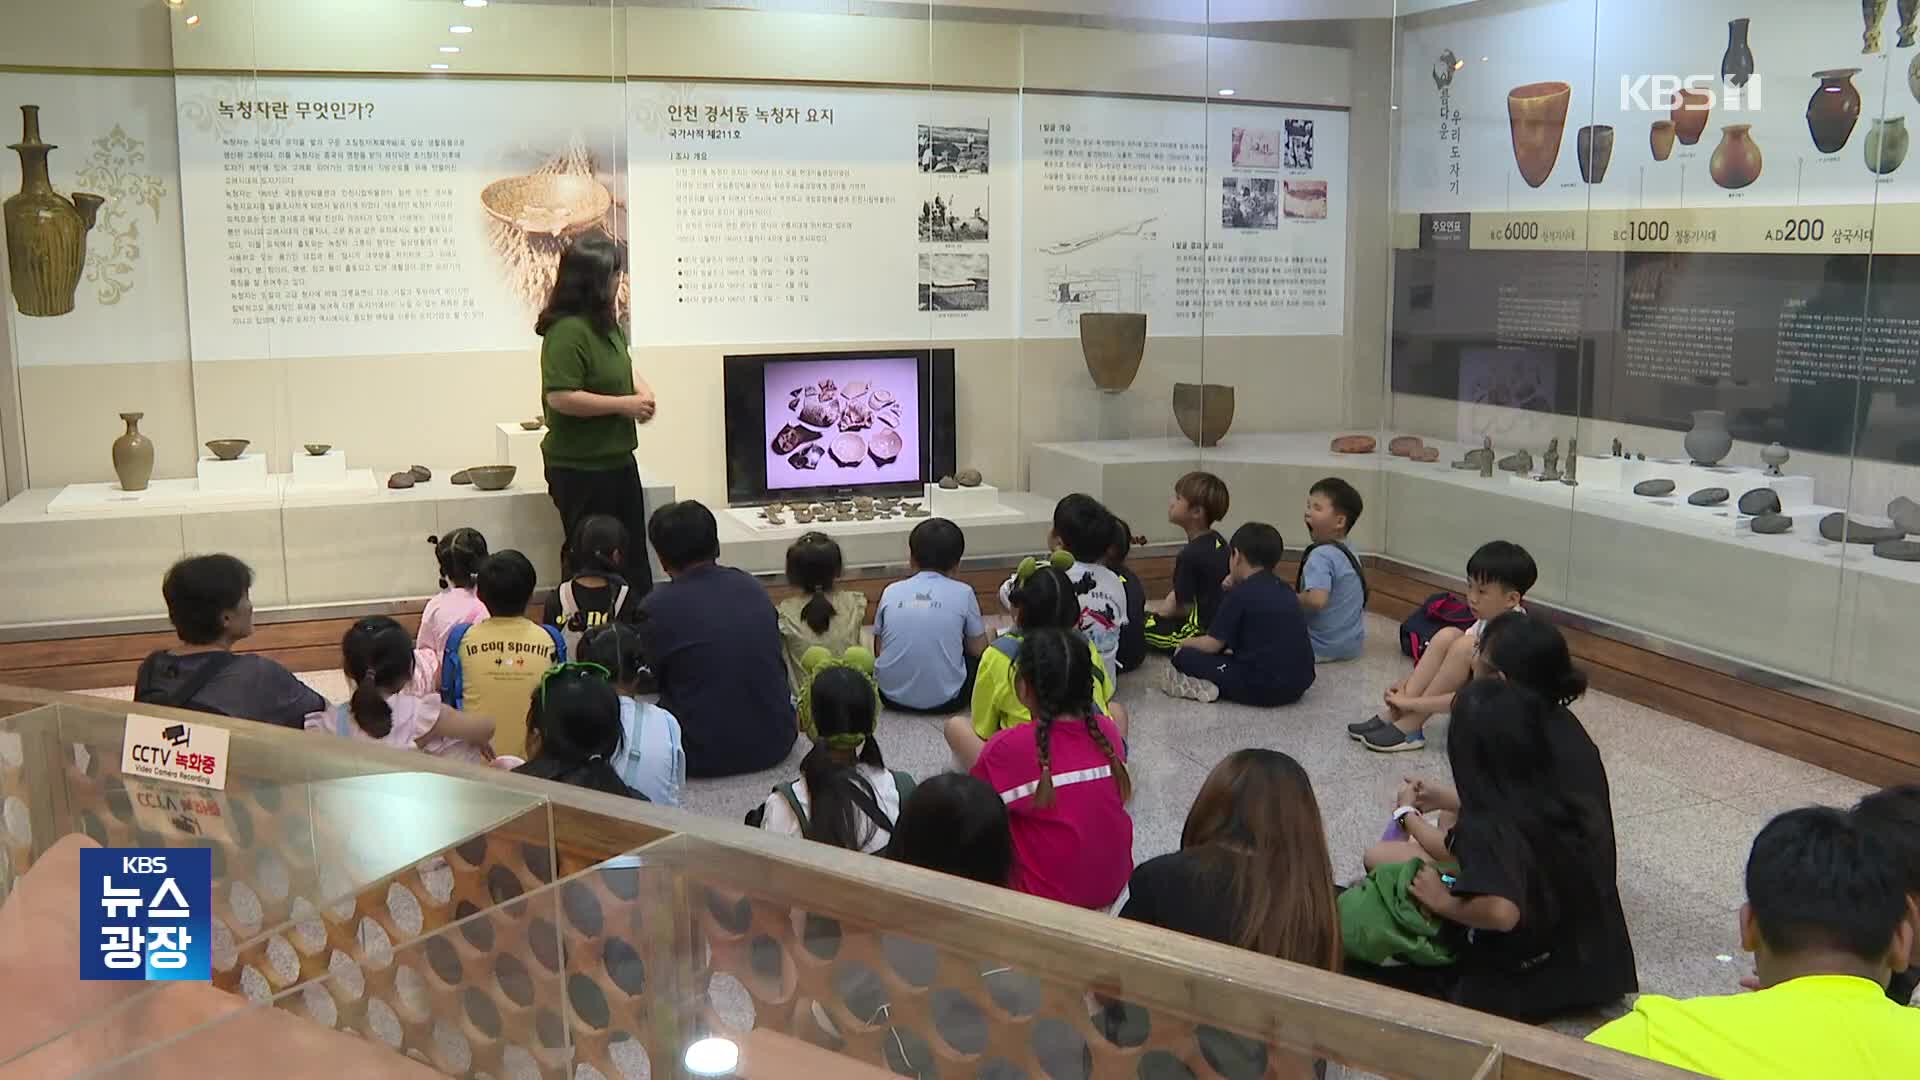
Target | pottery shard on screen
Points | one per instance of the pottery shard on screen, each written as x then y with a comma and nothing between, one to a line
792,437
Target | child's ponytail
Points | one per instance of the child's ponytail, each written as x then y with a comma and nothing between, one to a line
814,564
377,655
459,554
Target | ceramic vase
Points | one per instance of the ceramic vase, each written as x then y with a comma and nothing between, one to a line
1774,455
1909,12
133,455
1661,139
46,232
1537,118
1112,344
1872,13
1204,411
1736,64
1833,110
1887,144
1736,161
1690,115
1595,145
1708,440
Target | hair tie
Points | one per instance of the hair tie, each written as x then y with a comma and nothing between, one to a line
818,659
848,741
591,758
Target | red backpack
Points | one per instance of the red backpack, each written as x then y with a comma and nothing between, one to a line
1439,611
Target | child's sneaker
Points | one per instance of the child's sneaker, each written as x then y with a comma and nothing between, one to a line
1182,685
1388,739
1359,730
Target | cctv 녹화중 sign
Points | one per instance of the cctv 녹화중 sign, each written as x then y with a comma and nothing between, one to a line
175,750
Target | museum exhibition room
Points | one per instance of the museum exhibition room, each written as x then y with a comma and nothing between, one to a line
1054,539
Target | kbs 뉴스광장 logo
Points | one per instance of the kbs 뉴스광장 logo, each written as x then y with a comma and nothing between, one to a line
145,914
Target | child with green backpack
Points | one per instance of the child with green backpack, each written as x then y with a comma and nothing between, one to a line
845,794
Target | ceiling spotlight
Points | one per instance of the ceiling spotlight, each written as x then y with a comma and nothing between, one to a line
193,20
438,67
1227,91
474,3
449,48
459,28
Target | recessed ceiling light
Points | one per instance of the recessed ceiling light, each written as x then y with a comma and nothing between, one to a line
474,3
1227,91
712,1057
459,28
193,20
438,67
449,48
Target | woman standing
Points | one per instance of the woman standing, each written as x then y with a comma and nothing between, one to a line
592,398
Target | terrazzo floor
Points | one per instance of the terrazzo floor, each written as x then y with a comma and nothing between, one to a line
1687,801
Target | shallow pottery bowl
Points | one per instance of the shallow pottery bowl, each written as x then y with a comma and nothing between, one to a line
318,449
534,424
228,449
491,477
550,205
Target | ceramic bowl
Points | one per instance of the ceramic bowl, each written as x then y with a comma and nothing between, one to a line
228,449
491,477
534,424
318,449
548,204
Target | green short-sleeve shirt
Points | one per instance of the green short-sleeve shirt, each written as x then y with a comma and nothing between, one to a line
575,356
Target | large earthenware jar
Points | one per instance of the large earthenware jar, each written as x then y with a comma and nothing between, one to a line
1660,139
133,455
1690,115
1537,117
1595,145
1203,410
46,233
1112,344
1833,110
1887,144
1708,440
1736,64
1736,161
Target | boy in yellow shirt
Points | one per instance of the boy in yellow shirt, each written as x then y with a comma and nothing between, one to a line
493,666
1828,921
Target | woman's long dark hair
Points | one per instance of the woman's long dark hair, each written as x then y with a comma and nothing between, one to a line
585,284
1257,824
1048,598
599,547
459,554
377,655
1056,665
956,824
814,564
844,710
573,731
1529,650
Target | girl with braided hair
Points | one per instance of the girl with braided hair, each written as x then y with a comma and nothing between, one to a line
1063,778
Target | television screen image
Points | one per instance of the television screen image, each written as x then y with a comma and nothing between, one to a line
842,422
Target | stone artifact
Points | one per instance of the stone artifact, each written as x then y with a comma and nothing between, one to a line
1204,411
492,477
949,483
1871,13
1709,497
1352,444
1112,344
1405,445
1426,453
1898,550
1486,455
776,519
462,477
1573,464
1760,501
1520,462
1772,524
421,473
1660,138
534,424
1653,488
400,481
1840,528
1774,455
1887,144
1736,64
1536,119
1905,513
802,515
1707,440
1464,464
1833,110
968,477
1617,452
46,232
1690,111
1594,144
133,455
1641,456
318,449
916,511
1737,160
228,449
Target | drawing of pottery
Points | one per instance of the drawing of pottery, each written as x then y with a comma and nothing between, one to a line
1736,161
1913,78
1736,64
1887,144
133,455
1661,139
1690,115
1871,14
1595,145
1833,110
1537,117
46,233
1204,411
1112,344
1909,13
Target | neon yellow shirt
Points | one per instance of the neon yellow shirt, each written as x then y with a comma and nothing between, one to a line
1817,1025
996,706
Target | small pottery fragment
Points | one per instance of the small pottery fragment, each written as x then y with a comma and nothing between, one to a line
492,477
1653,488
461,477
133,455
863,502
968,477
1840,528
949,483
1473,465
1641,456
421,473
803,516
1898,550
1772,524
1617,451
400,481
318,449
1405,445
1774,455
1520,461
1353,444
1425,453
1905,513
1475,458
1760,501
791,438
1709,497
1204,411
228,449
917,511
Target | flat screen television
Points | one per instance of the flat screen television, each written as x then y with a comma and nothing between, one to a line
808,425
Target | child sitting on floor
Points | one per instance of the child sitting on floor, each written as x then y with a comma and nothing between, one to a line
1498,575
493,666
1133,636
1084,530
459,554
927,631
378,657
956,824
821,615
1200,500
845,795
651,760
573,730
1256,652
1894,814
1333,590
597,594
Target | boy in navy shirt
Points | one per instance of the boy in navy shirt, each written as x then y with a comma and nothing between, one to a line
1256,652
1200,499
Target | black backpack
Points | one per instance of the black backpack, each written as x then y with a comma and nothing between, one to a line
182,696
1439,611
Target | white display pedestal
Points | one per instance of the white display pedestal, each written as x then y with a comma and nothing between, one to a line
980,501
248,472
350,482
326,470
161,495
520,448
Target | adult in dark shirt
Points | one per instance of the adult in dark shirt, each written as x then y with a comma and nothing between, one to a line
714,641
210,603
1256,651
1133,636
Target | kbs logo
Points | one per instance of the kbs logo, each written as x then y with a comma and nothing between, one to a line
145,914
1665,93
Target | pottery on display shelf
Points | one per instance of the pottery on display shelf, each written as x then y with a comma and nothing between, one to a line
133,455
1833,110
1595,145
228,449
1537,118
1690,111
1708,440
1887,144
1872,13
1660,138
1204,411
1774,455
1112,344
46,232
1736,64
1736,161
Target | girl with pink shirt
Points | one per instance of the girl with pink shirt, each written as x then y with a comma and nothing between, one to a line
378,658
460,554
1064,783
